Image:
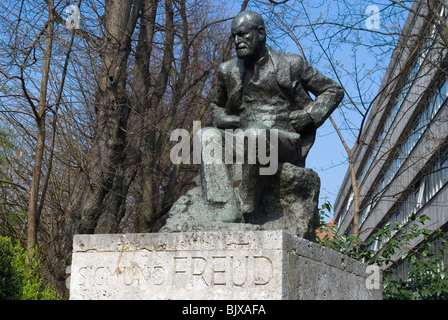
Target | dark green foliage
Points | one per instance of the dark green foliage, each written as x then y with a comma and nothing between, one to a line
19,276
427,277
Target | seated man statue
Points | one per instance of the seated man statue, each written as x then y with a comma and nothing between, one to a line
265,94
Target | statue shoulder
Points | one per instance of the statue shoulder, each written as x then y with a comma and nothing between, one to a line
290,58
289,66
227,67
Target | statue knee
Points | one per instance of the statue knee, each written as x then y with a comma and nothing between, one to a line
211,141
208,134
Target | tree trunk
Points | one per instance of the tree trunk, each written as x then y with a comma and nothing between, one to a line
105,167
33,212
355,188
148,214
354,181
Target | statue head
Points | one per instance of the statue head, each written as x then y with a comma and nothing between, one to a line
249,34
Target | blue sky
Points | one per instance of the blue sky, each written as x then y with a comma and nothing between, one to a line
360,58
328,157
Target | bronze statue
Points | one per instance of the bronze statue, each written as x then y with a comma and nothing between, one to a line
260,91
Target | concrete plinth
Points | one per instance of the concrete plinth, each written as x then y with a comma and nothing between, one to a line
234,265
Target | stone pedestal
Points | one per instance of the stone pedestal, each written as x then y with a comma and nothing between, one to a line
228,265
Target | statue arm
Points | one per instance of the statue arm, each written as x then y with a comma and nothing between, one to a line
220,118
327,92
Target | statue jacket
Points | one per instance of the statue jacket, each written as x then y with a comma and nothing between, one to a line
295,79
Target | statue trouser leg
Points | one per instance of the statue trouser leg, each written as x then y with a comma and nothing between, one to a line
285,148
216,180
250,189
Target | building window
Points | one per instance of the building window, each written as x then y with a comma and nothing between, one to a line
407,82
435,178
439,244
346,208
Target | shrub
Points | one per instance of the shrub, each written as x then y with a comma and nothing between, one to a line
427,277
19,276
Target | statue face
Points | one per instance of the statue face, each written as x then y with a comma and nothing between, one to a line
249,40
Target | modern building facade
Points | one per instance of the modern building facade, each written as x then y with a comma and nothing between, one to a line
402,163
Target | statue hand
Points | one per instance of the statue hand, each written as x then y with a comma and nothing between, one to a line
300,119
229,122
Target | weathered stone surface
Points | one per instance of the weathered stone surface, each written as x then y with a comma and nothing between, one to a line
288,203
213,265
